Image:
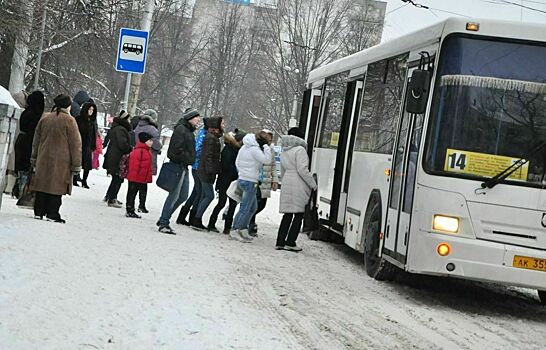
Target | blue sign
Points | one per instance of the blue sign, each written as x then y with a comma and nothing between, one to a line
241,2
132,49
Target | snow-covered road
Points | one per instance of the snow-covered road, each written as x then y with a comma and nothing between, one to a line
103,281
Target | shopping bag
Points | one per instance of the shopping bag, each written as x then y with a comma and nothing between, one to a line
169,176
235,192
26,201
124,166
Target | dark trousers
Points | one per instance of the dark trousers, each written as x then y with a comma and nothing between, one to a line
114,187
134,188
228,222
290,225
222,199
85,175
193,200
262,202
48,205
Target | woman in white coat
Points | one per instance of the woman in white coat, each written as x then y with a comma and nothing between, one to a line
297,184
252,156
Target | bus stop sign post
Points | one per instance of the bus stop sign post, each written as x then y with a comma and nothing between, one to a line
131,57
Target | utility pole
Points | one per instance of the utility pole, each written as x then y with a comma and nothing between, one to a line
146,25
40,49
20,52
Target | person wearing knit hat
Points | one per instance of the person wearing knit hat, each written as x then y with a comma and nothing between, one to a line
190,113
190,206
233,141
56,157
119,144
140,173
148,123
181,152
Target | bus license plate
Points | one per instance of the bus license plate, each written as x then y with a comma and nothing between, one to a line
524,262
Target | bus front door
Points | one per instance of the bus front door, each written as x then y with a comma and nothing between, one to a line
343,163
403,175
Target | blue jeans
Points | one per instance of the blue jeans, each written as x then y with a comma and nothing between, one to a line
175,199
207,195
248,206
195,196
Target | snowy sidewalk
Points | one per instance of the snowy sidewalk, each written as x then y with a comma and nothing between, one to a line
103,281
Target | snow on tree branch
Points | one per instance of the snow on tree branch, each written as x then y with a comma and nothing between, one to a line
64,43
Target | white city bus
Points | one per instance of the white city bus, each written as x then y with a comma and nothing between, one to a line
430,152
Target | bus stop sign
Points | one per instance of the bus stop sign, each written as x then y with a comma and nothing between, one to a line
132,48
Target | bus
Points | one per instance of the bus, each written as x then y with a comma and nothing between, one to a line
430,152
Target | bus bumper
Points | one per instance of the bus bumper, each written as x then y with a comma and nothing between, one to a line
476,260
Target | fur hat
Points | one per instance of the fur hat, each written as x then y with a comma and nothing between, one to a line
296,132
144,136
150,114
190,114
239,134
62,101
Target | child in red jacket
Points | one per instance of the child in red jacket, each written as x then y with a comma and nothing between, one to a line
140,174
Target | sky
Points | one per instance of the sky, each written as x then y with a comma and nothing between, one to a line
402,19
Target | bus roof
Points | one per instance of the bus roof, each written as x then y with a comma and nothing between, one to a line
427,36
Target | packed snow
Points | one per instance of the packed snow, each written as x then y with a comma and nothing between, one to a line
103,281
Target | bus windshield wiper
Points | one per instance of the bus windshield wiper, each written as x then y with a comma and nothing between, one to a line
495,180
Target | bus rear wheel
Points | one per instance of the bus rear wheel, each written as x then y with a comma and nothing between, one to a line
376,267
542,296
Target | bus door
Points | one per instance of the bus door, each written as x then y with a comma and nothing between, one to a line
344,155
403,175
309,116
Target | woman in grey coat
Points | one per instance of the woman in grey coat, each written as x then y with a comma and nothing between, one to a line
297,184
148,124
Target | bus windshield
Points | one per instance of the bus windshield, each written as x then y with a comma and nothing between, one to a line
489,110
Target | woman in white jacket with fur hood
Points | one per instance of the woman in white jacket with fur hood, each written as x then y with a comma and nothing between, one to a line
297,183
253,155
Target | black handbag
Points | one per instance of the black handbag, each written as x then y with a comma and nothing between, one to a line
311,218
169,176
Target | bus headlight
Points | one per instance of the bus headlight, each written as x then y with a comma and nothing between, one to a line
445,223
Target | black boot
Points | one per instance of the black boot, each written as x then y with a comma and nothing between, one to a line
75,180
197,224
193,212
182,216
227,225
212,224
84,184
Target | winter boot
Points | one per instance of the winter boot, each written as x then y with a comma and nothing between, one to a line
142,209
114,203
166,229
132,214
182,216
193,212
197,224
84,184
75,180
227,225
212,224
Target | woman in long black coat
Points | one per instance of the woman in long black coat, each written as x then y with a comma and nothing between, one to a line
118,145
88,132
27,126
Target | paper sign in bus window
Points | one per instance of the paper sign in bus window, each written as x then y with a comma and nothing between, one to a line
482,164
132,48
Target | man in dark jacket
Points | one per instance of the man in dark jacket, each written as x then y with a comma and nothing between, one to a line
209,167
181,152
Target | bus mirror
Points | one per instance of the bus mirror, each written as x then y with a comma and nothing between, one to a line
418,90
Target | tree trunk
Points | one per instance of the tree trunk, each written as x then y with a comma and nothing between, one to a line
20,52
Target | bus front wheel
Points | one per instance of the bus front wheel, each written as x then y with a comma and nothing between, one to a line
542,296
376,267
